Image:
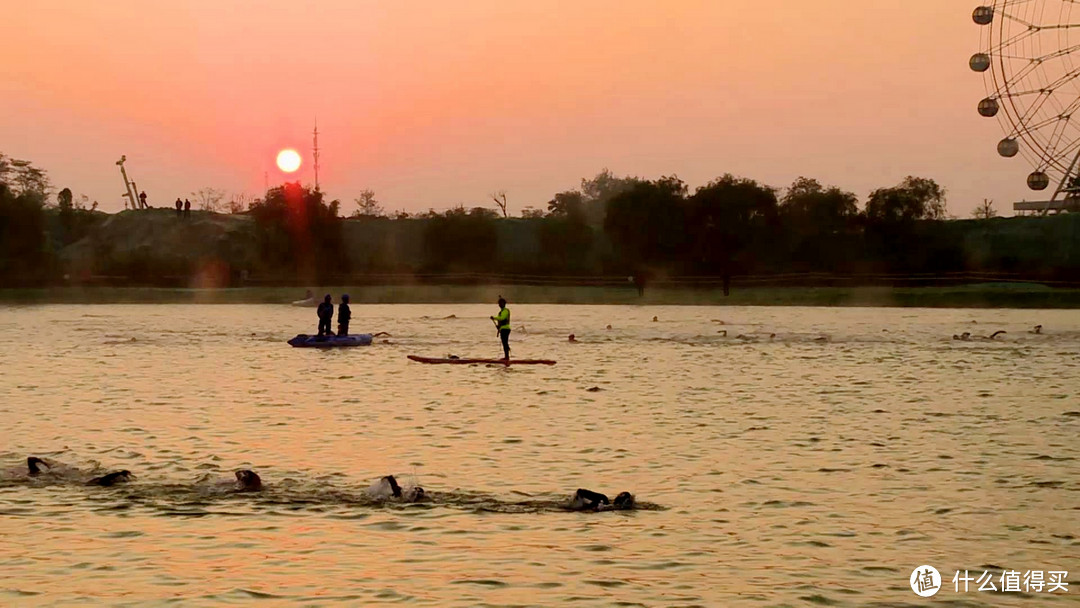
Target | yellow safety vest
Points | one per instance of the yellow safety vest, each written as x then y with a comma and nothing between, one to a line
503,319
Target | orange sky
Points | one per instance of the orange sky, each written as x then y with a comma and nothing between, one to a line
434,103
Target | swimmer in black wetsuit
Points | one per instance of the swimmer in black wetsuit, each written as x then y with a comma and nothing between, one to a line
111,479
32,465
587,500
413,494
248,481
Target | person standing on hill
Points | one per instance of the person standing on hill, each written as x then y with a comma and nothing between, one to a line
179,207
344,315
187,207
502,323
326,314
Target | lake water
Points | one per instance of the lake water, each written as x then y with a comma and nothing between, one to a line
818,467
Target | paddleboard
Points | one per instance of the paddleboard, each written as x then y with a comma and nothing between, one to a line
445,360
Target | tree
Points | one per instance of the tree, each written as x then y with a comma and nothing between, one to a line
598,191
461,240
299,233
500,201
985,211
368,206
820,224
646,223
64,199
915,198
567,204
22,177
732,221
209,199
239,203
22,236
893,237
565,243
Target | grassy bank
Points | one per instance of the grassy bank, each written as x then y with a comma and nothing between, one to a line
968,296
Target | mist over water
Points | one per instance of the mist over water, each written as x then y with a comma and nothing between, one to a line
819,466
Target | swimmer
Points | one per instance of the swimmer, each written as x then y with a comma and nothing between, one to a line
723,333
248,481
655,319
609,326
388,487
111,479
587,500
964,336
995,334
821,339
1036,330
32,465
572,339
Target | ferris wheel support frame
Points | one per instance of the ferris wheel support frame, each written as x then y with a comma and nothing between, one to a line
1065,204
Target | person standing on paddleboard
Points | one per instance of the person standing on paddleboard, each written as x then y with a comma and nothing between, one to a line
502,324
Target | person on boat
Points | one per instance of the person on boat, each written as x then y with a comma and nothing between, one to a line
502,323
343,316
326,314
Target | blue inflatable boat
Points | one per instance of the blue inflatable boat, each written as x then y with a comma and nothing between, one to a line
306,341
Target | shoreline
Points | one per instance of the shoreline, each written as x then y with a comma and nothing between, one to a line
991,295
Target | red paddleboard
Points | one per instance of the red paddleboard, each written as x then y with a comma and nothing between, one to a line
436,360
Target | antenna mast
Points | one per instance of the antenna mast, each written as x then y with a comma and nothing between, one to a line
315,154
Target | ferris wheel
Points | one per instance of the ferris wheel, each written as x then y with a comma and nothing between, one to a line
1030,61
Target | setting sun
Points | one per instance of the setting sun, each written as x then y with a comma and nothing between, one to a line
288,160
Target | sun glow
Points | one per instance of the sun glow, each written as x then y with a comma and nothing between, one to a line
288,160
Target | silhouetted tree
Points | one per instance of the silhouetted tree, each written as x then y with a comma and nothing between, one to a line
567,204
300,233
368,207
598,191
22,177
565,243
23,257
891,234
500,201
916,198
820,224
984,211
733,222
462,240
209,199
647,222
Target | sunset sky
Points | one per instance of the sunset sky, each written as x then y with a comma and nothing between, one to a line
435,103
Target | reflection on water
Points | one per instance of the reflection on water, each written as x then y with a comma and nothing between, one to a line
805,456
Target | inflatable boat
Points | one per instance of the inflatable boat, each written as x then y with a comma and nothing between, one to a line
306,341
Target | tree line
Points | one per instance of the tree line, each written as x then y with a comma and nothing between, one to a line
611,225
